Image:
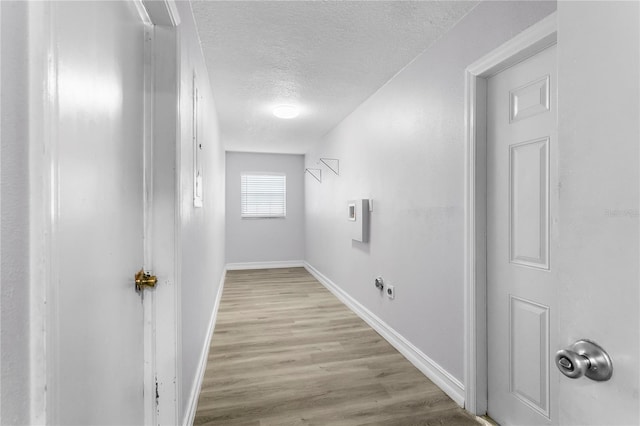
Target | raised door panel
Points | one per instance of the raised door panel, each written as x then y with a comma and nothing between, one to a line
529,100
529,203
529,353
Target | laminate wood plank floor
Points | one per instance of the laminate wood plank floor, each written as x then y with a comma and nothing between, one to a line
285,351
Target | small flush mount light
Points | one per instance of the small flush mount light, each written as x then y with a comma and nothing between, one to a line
286,111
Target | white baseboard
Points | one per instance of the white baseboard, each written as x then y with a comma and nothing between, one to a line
438,375
190,414
265,265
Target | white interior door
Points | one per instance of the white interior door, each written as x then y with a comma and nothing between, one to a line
98,49
521,218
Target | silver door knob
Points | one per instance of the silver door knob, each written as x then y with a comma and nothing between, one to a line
585,358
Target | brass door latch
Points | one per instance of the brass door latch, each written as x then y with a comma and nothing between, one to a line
145,280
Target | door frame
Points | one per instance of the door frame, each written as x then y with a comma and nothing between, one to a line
162,360
160,355
524,45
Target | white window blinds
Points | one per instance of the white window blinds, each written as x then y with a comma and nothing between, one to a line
263,195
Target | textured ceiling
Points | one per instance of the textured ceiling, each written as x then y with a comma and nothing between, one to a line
326,56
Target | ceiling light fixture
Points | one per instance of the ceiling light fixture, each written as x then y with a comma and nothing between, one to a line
286,111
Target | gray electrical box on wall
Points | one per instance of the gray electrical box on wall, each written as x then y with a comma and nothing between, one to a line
358,215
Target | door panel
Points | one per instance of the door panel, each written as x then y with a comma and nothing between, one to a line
529,353
521,208
528,203
99,230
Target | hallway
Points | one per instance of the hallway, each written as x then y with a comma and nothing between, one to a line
148,147
286,351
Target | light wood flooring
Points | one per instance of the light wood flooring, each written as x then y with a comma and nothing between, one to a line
285,351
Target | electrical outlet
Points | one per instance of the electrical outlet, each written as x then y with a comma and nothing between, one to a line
379,283
391,292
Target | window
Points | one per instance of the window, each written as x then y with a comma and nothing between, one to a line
263,195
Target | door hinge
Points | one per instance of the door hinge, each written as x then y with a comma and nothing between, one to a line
157,394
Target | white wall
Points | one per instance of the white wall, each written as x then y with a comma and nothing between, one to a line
404,148
202,233
265,240
14,225
599,149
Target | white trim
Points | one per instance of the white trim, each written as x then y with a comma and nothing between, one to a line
160,12
31,298
166,258
172,9
526,44
142,11
265,265
149,299
42,160
192,402
438,375
50,275
175,393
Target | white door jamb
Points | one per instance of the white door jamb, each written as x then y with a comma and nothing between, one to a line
161,356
